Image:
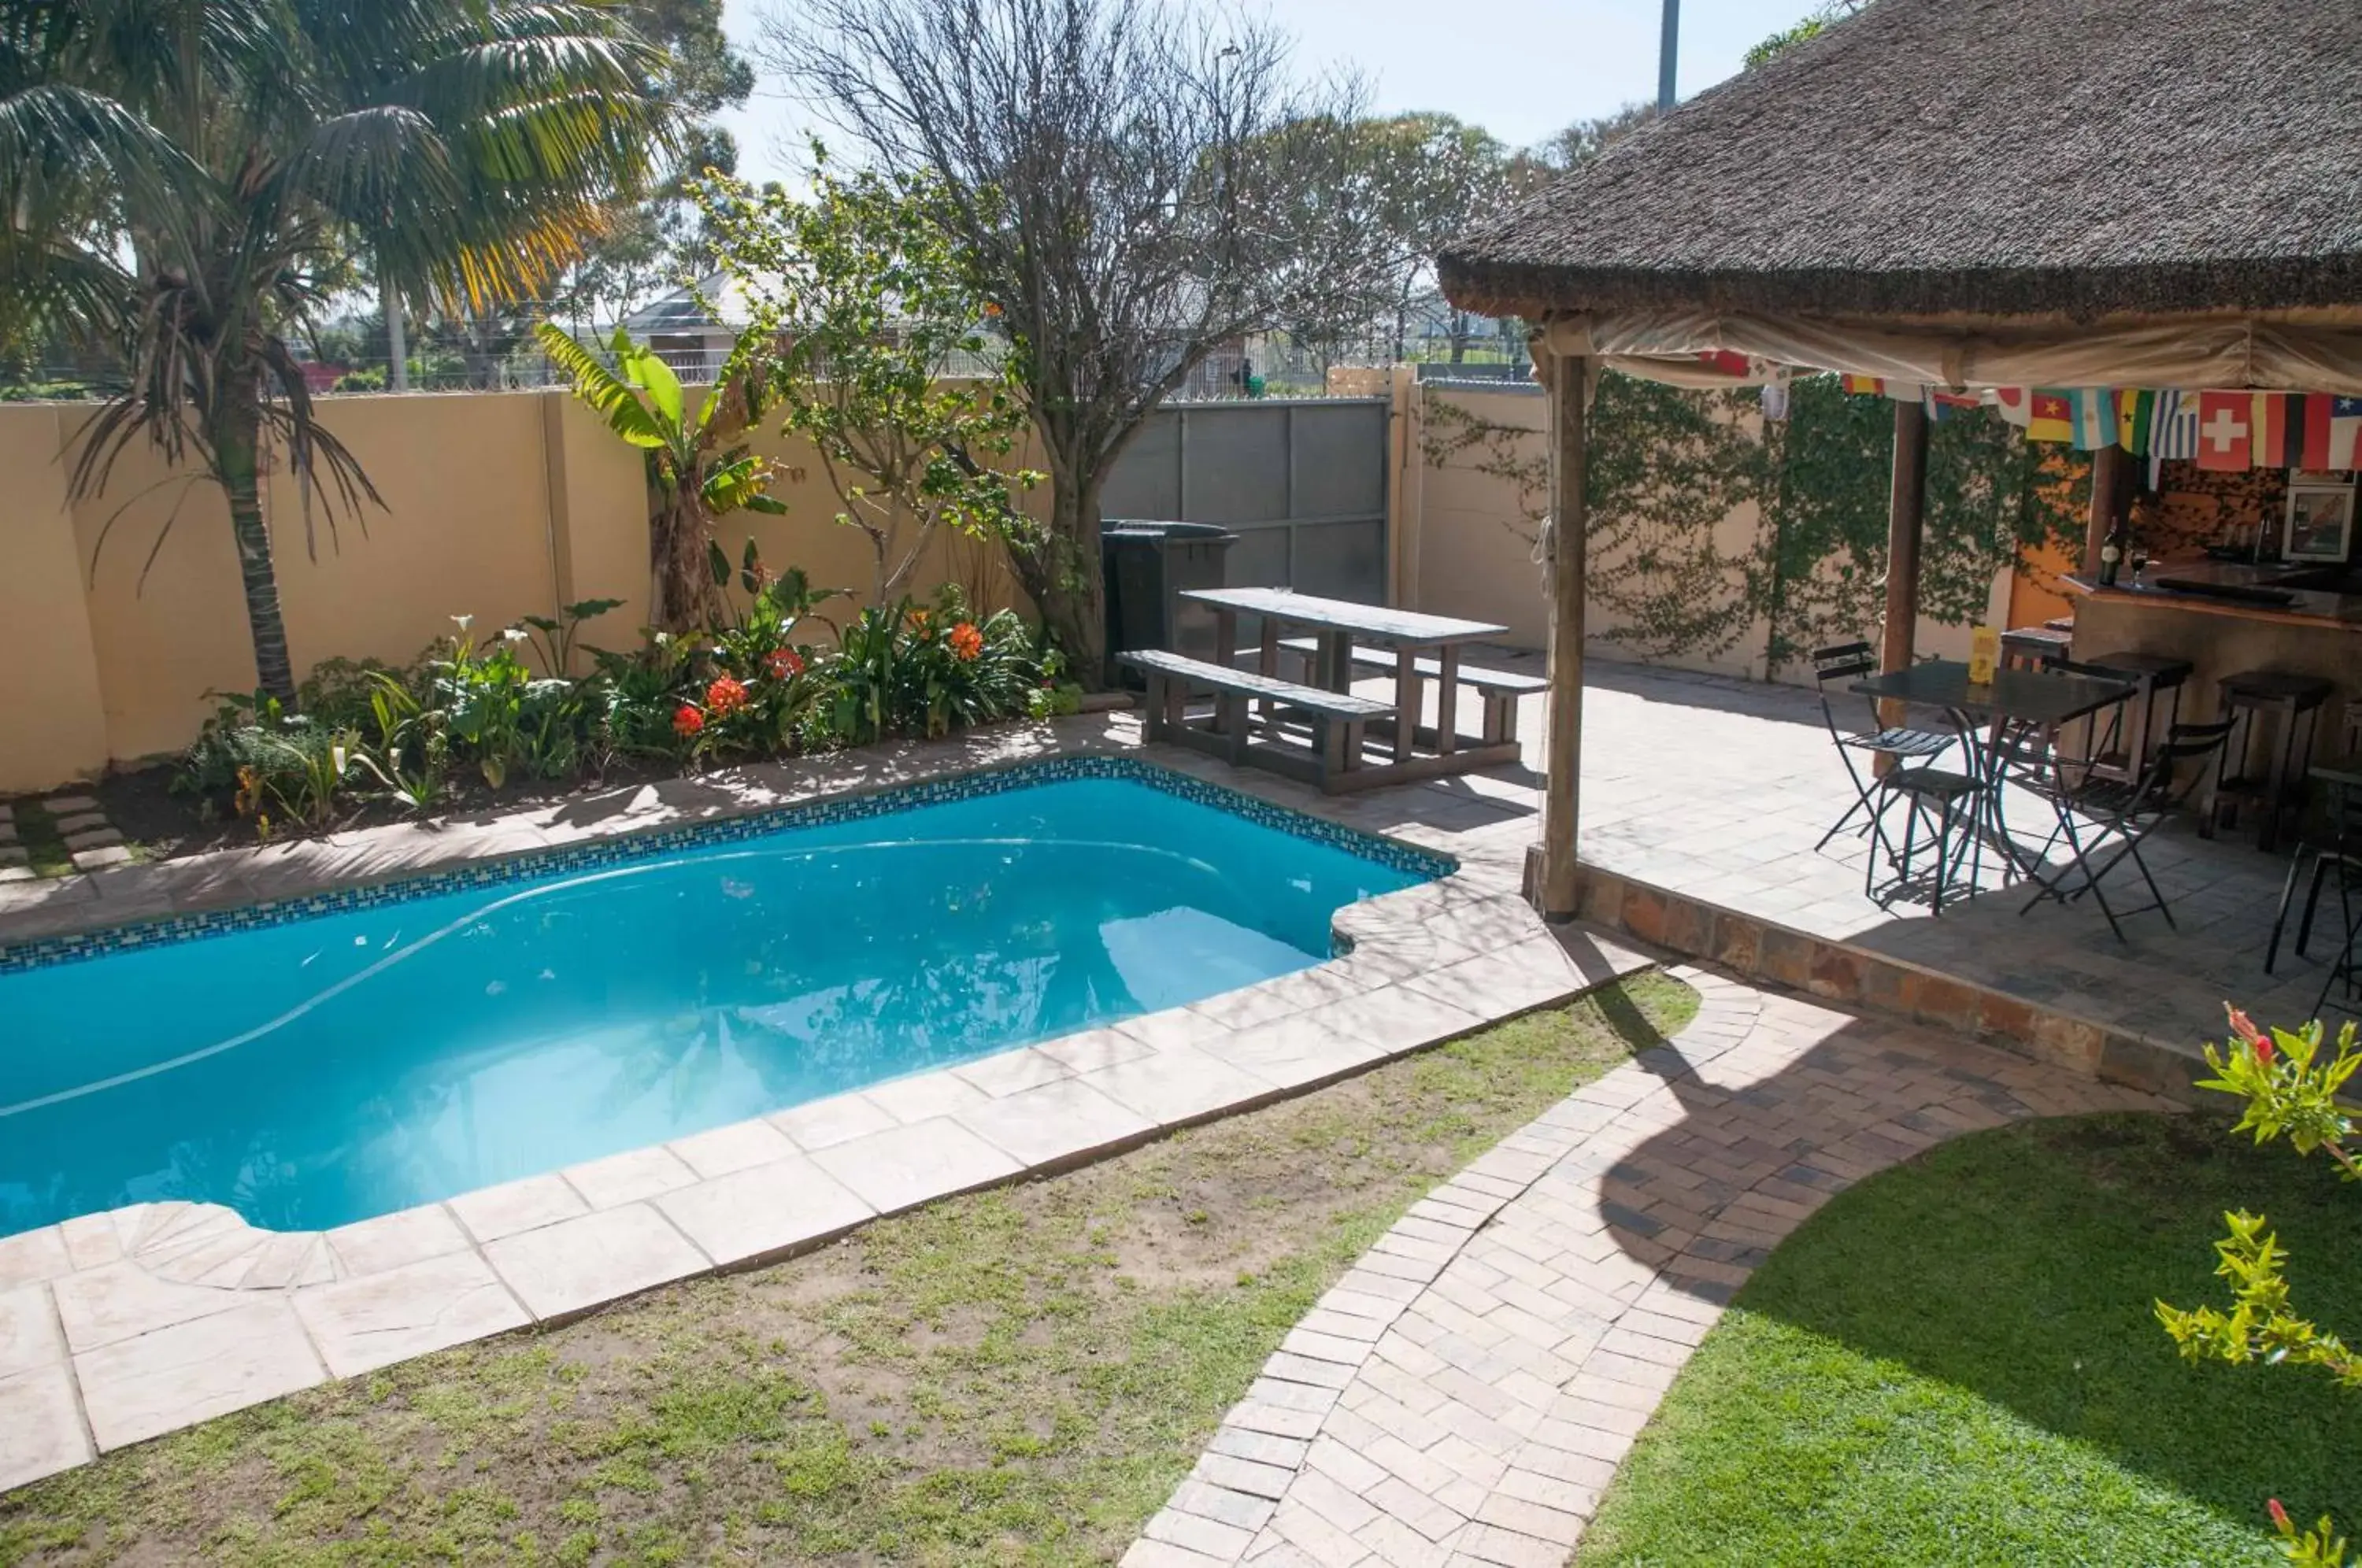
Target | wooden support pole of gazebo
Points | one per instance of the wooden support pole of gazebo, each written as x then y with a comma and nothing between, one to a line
1906,514
2108,468
1556,891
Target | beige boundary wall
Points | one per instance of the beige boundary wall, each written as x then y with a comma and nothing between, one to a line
503,504
497,505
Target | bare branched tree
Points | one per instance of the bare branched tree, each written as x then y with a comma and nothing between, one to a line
1137,183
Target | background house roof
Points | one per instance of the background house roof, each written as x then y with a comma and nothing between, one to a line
1930,157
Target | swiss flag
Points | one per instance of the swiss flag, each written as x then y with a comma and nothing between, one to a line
2226,429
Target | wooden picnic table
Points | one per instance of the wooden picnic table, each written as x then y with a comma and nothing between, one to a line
1340,624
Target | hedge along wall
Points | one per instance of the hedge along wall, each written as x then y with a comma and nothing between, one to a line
1722,540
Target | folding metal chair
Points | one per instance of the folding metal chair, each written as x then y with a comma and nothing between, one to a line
2036,759
1833,667
2113,817
1946,801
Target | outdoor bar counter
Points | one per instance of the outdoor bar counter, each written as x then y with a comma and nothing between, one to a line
2316,631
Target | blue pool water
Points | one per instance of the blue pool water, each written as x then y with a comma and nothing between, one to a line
316,1072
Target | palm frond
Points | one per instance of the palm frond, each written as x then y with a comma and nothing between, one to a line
607,395
645,369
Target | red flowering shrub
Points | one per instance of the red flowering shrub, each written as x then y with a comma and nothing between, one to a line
968,643
725,696
784,664
686,721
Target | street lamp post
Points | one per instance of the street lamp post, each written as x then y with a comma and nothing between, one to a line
1668,50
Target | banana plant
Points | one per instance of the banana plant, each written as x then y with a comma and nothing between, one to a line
700,468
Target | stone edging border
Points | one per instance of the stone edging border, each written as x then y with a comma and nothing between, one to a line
1840,971
646,843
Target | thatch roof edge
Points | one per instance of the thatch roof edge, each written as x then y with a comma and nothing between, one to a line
2273,284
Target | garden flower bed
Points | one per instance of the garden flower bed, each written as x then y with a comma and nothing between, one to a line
474,724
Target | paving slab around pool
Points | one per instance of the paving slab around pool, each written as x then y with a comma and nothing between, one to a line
121,1326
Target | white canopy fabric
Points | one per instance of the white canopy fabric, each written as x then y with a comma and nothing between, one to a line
1703,349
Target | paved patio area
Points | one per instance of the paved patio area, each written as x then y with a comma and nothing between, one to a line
1716,789
1464,1393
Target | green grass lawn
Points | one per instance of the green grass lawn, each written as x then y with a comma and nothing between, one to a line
1019,1377
1955,1362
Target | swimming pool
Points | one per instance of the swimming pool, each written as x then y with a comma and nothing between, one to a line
361,1052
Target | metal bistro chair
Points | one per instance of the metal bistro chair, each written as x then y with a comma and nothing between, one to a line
2116,816
2036,760
1834,667
2338,850
1946,801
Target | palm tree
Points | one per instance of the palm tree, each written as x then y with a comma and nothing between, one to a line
187,180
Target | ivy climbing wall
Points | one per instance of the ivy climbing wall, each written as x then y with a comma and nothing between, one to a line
1720,540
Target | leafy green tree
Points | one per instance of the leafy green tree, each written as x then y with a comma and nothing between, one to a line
1578,144
698,466
1424,178
1811,27
188,180
882,364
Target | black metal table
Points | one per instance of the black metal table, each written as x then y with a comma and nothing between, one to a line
2041,697
2014,701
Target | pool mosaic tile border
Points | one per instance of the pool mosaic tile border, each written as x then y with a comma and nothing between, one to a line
626,847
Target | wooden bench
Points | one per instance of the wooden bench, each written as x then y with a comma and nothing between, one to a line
1337,718
1499,689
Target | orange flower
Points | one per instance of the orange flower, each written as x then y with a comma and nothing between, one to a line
784,663
725,696
686,721
991,309
968,643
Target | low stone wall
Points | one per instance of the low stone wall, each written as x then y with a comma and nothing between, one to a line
1758,949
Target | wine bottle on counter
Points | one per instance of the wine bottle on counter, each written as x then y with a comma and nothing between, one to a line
2112,553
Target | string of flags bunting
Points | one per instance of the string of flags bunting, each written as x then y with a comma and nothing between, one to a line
2220,430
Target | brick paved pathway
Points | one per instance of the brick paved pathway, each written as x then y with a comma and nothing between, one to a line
1463,1394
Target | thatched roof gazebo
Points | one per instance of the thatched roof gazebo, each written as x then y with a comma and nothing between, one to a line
1955,193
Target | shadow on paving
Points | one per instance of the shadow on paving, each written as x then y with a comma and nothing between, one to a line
1774,701
2019,1262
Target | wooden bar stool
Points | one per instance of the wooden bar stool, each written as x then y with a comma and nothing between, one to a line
2280,783
2032,647
2152,673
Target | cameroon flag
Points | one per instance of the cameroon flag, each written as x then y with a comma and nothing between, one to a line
2053,416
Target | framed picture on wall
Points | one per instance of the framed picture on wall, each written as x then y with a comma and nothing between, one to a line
2320,522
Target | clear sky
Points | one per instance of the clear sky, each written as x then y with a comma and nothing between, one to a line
1522,69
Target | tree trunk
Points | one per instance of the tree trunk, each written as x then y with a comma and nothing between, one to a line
1075,607
1062,575
237,444
677,560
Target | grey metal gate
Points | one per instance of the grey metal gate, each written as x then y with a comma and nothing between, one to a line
1303,481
